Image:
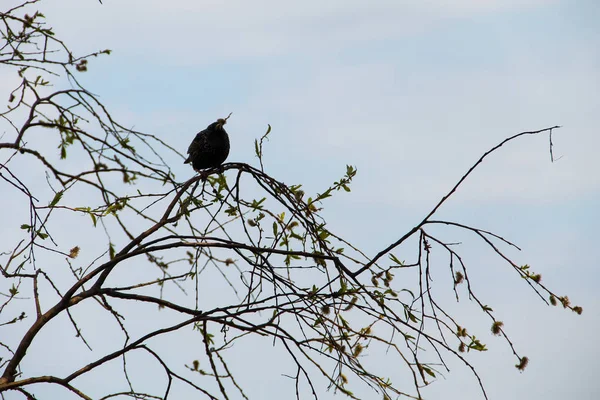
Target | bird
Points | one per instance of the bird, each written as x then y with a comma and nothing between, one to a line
210,148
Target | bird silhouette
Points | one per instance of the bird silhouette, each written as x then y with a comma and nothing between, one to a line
210,148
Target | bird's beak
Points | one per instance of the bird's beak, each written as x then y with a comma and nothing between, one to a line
223,121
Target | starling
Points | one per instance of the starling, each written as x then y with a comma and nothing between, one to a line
210,148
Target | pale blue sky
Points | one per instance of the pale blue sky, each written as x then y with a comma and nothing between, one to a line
411,93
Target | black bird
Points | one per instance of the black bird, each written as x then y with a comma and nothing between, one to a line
210,148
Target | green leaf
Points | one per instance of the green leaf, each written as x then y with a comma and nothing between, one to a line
256,149
428,371
57,196
231,211
412,317
324,234
25,226
396,260
296,236
257,204
476,345
325,195
343,288
209,338
111,251
350,171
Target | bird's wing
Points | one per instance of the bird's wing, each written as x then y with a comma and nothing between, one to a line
198,142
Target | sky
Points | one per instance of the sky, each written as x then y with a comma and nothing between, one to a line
411,93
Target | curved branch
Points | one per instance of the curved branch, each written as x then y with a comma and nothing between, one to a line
447,196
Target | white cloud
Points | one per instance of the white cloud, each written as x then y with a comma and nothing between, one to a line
202,32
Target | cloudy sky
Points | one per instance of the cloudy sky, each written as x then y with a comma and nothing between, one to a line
411,93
